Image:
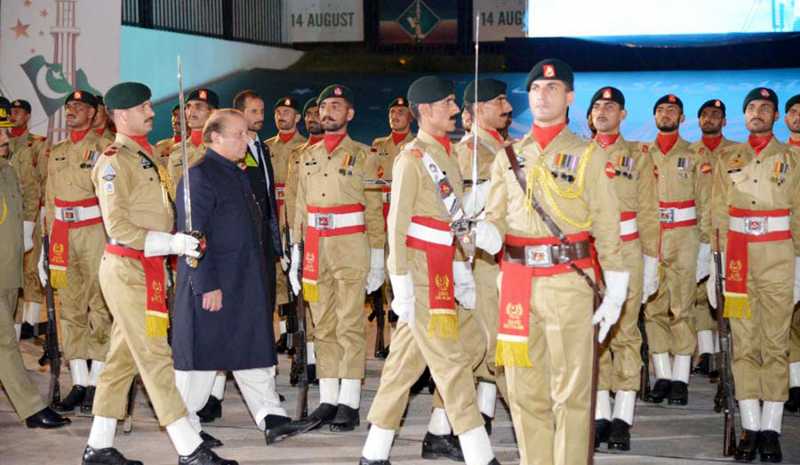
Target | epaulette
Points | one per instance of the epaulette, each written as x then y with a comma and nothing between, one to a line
111,150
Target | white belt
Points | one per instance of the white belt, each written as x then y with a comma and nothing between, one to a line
628,227
324,221
676,215
75,214
428,234
758,225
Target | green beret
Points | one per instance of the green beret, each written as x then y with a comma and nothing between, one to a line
792,102
286,102
127,95
429,89
5,113
204,95
397,102
713,103
669,98
761,93
487,90
336,90
176,107
83,97
608,93
551,69
99,98
24,104
310,103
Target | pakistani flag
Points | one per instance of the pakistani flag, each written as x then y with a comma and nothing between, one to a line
51,86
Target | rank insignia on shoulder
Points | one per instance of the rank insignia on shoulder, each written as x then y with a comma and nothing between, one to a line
705,168
111,150
145,162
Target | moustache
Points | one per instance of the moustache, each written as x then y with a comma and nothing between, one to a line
454,117
326,119
506,115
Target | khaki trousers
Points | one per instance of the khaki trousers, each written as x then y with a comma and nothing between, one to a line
131,351
32,288
473,338
486,273
21,391
702,320
794,337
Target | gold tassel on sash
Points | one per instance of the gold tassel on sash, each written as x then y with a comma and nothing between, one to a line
443,324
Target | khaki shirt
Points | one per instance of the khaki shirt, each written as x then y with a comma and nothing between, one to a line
488,147
386,151
748,181
163,149
588,203
292,173
280,153
11,245
69,170
415,194
24,165
36,145
326,180
174,171
132,199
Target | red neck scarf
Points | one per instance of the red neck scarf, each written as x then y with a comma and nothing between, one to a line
143,143
496,135
314,138
286,136
604,140
712,142
546,135
444,141
100,131
398,137
333,140
759,142
794,142
196,138
176,138
77,136
665,142
16,132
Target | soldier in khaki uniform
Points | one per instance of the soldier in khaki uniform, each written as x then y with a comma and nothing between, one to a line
286,112
754,211
428,275
633,182
792,120
21,391
76,245
102,124
682,187
164,146
343,233
545,337
29,147
199,105
711,117
138,217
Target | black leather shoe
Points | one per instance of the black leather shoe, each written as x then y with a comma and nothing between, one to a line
659,392
619,438
74,399
204,456
487,423
346,419
602,428
106,456
747,447
211,411
494,462
770,447
46,418
278,428
679,393
88,401
321,416
209,441
363,461
27,331
438,447
793,404
703,367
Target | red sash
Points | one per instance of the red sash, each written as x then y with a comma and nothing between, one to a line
385,191
157,315
280,192
59,240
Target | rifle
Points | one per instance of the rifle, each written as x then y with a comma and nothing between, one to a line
376,300
724,400
644,379
297,340
51,343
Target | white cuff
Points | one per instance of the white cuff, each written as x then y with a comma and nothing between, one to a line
157,244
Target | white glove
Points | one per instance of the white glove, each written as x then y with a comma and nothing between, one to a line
475,199
157,244
711,284
294,269
43,275
608,313
375,277
487,237
796,279
284,261
703,261
403,290
27,234
464,285
650,278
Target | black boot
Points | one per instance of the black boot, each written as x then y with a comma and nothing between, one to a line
46,418
203,456
446,446
770,447
73,399
659,392
211,411
363,461
209,441
703,367
602,428
277,428
88,401
321,416
747,447
679,393
793,404
106,456
346,419
620,436
312,374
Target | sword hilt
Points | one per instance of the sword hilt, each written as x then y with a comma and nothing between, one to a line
201,247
